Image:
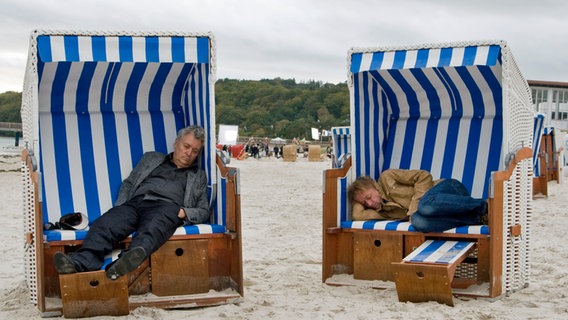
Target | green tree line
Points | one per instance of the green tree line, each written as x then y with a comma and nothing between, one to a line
281,107
261,108
10,103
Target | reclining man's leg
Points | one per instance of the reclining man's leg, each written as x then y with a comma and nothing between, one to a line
158,222
104,234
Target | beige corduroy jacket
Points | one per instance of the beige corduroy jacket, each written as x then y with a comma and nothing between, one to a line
401,190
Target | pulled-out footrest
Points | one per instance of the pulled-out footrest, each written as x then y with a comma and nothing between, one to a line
90,294
426,274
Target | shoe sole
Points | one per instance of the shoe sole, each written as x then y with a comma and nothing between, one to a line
129,261
63,263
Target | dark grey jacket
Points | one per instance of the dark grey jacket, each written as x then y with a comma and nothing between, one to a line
196,204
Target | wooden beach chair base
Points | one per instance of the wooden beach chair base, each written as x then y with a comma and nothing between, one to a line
180,267
90,294
373,255
427,275
540,187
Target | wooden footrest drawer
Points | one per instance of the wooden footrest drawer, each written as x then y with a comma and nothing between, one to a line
426,274
90,294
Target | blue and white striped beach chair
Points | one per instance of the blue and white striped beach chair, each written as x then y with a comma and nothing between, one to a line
341,137
540,181
93,104
550,153
458,110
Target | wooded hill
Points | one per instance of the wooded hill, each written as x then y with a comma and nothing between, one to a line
10,103
281,108
264,108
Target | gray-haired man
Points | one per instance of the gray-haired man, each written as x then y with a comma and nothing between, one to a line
162,193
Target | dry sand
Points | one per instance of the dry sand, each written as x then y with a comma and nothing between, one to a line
282,243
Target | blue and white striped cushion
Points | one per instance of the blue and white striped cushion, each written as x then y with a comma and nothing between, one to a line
58,235
110,258
379,225
200,229
389,225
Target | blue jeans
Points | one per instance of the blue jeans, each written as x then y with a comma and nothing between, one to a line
447,205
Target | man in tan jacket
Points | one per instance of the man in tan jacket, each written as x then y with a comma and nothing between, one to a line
399,194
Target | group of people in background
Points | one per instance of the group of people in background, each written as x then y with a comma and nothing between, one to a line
262,149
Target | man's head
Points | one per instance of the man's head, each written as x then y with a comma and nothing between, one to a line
188,145
365,190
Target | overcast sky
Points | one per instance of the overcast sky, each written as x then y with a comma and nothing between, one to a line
301,39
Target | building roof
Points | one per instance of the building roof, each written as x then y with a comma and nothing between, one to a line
547,84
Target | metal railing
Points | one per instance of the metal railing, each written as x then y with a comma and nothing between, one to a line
10,126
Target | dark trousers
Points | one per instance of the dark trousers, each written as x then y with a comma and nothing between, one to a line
152,222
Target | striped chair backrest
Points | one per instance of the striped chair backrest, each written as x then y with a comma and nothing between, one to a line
341,137
441,108
103,100
538,130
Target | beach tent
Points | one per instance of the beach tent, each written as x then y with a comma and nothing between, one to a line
278,140
93,103
458,110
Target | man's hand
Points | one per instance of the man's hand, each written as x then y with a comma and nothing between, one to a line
181,213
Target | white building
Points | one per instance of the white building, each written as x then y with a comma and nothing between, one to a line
551,99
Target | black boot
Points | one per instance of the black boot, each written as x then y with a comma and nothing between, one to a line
64,264
128,261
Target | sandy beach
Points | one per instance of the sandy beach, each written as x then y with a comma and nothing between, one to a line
281,222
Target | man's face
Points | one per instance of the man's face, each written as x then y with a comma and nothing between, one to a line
186,150
370,198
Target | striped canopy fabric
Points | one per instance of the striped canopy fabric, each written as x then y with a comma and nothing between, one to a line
438,108
103,100
123,48
538,130
341,137
439,57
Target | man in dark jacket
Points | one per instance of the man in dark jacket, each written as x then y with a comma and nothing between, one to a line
162,193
